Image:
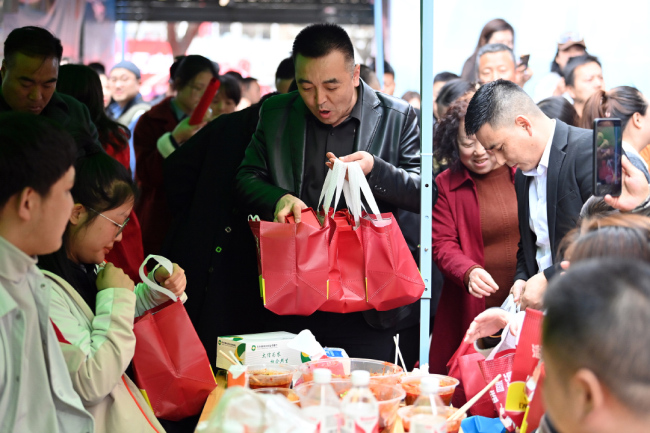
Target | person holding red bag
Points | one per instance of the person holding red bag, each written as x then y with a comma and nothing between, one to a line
475,233
93,307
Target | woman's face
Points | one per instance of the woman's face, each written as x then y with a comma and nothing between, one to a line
90,243
221,104
189,96
472,154
504,37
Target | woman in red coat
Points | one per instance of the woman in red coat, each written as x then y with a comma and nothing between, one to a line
158,133
475,233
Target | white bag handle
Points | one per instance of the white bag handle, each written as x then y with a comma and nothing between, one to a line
355,187
333,183
165,263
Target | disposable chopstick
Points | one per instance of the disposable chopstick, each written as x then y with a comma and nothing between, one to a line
473,400
225,355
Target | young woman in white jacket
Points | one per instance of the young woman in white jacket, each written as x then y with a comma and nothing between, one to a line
94,303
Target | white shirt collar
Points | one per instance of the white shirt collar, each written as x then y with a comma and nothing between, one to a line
543,163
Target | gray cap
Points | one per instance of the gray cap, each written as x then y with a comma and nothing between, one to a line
129,66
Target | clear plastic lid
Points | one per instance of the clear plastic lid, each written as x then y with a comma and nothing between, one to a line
360,378
322,375
429,385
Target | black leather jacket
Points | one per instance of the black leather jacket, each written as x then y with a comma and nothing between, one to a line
274,162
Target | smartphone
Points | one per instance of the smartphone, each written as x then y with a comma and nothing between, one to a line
608,151
523,60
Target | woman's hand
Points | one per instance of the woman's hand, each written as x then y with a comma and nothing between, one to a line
111,277
481,283
184,131
486,324
176,282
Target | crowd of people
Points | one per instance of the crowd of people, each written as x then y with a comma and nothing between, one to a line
93,179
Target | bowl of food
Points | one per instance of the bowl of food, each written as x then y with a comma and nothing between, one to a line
270,376
288,393
389,398
380,372
452,426
411,385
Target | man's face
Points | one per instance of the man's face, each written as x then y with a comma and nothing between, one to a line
587,80
29,82
563,56
123,84
254,93
389,84
558,398
510,145
52,214
493,66
328,85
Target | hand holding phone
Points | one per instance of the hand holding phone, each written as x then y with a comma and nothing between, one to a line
607,154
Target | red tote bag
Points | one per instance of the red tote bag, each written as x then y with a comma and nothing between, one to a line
293,266
170,363
392,276
347,292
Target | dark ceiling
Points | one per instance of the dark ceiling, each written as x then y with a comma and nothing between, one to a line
248,11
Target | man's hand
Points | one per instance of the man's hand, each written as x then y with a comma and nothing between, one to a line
486,324
481,283
112,277
516,289
287,205
533,294
365,160
634,191
184,131
176,282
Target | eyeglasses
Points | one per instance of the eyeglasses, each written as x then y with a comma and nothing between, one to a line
120,226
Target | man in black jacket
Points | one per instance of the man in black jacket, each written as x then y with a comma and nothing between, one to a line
333,114
29,73
553,180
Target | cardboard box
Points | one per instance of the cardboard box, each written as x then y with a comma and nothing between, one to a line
265,348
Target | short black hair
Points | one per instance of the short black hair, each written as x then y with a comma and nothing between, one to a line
596,313
444,76
367,75
451,91
99,68
388,69
34,152
318,40
496,104
236,75
286,70
34,42
230,87
558,107
576,62
190,67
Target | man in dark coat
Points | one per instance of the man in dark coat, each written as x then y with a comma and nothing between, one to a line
29,73
553,180
333,114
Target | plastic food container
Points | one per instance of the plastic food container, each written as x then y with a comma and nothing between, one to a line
452,426
270,376
389,398
380,371
290,394
411,385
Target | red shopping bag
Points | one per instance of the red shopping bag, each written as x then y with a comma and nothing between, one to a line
392,276
170,363
293,266
347,289
464,366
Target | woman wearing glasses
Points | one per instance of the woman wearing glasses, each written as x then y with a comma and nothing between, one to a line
94,306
